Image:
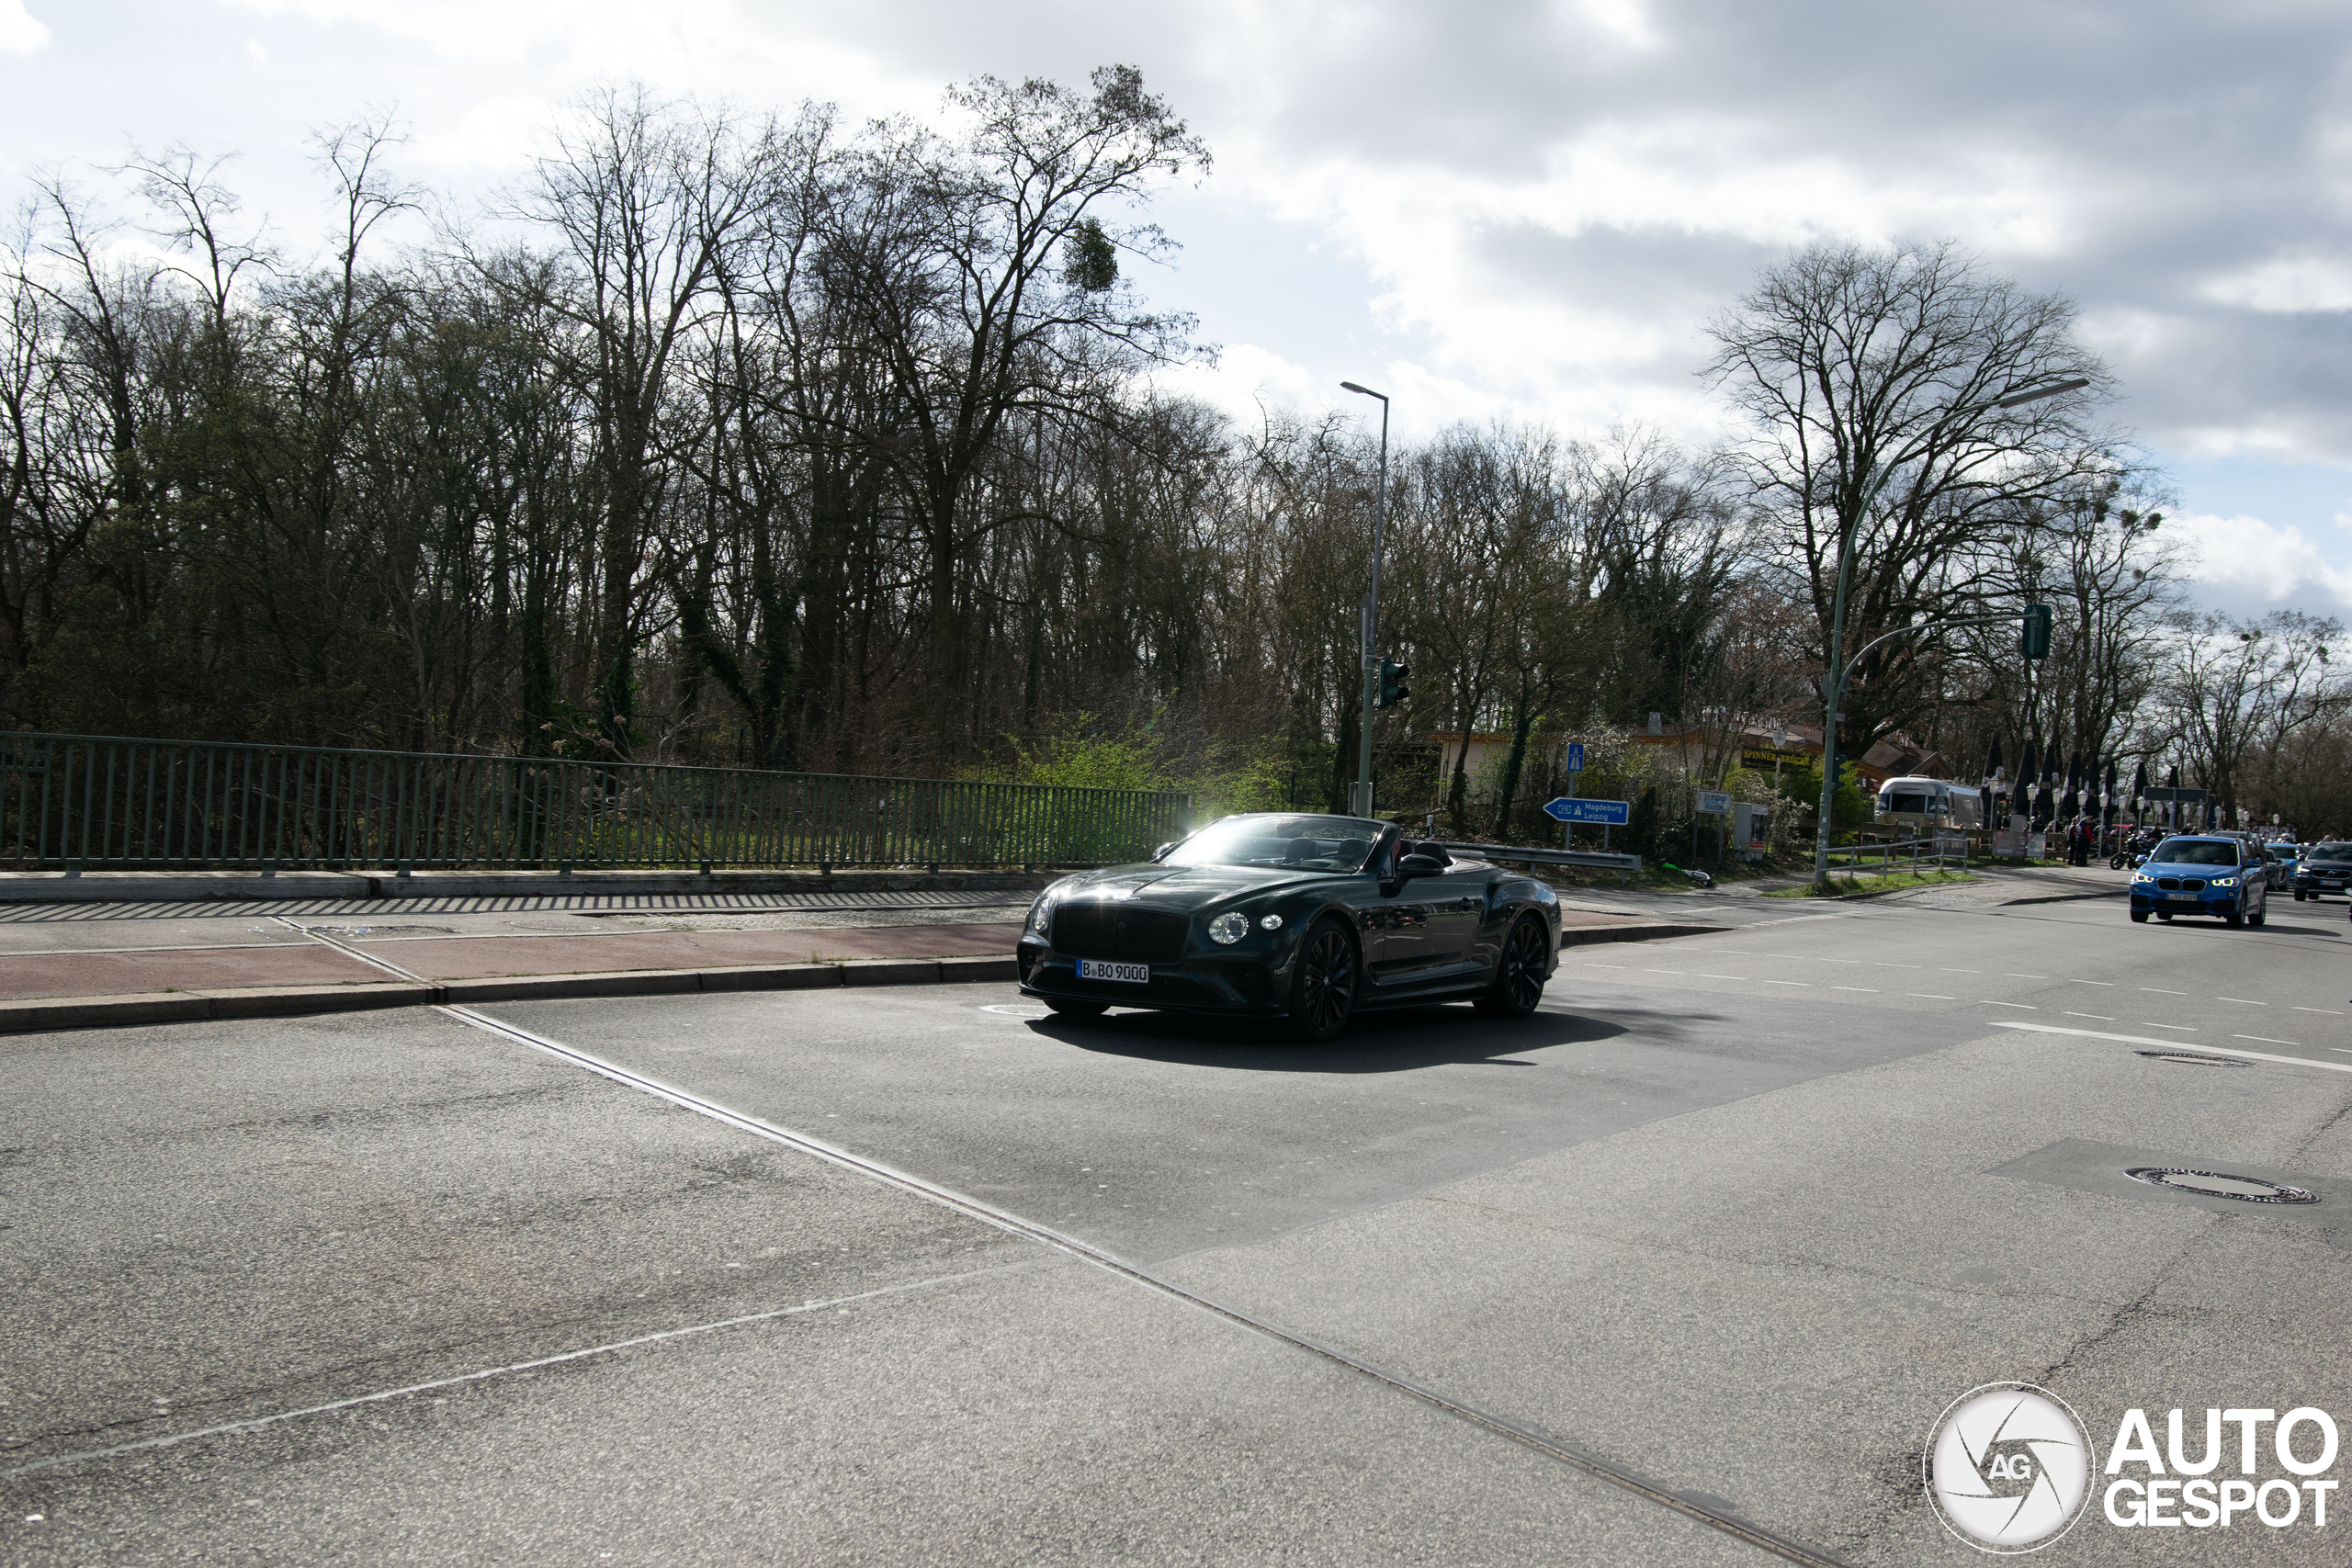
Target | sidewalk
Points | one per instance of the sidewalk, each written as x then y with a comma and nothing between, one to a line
338,968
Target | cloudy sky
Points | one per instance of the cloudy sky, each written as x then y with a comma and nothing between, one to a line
1489,209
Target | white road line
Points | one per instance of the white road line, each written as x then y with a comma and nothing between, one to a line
2247,1000
1589,965
2184,1028
1709,975
2021,1006
2266,1040
2095,982
1960,971
2159,990
2224,1050
258,1422
1804,983
1839,960
1885,965
1872,989
2103,1018
2006,975
2330,1011
1931,995
1666,971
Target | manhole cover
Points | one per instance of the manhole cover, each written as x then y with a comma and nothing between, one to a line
2192,1057
2219,1184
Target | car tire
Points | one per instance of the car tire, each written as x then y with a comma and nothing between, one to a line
1519,972
1324,981
2234,919
2163,914
2299,895
2139,917
1068,1008
2258,917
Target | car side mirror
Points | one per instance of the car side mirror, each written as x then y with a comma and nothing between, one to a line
1419,865
1161,853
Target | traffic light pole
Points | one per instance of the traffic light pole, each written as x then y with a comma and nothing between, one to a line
1371,630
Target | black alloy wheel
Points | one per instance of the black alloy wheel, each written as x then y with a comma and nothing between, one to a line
1323,983
1519,978
1068,1008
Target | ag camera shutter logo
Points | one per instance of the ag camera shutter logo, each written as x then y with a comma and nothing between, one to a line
2009,1467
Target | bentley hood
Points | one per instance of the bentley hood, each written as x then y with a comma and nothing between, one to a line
1186,887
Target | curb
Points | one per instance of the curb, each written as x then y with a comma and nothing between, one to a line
42,1015
1585,936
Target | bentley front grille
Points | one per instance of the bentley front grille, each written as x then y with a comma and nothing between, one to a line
1090,927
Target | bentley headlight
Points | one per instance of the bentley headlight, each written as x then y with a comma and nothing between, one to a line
1042,916
1270,922
1229,927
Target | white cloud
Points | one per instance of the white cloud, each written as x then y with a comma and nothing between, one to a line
2286,285
2247,565
20,31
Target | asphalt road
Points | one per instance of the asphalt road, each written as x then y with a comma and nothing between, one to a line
1735,1216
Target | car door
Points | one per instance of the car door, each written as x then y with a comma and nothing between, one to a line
1430,928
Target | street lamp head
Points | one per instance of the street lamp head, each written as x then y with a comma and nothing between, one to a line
2035,394
1364,391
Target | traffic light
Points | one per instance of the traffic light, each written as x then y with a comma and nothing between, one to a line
1393,689
2037,631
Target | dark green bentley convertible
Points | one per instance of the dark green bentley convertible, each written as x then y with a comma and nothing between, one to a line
1310,919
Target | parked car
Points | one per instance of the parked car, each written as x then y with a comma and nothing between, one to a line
2215,875
1307,919
2322,868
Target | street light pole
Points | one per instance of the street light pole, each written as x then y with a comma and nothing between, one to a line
1833,681
1371,626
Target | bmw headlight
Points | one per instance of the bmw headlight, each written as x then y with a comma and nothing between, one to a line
1229,927
2222,882
2138,876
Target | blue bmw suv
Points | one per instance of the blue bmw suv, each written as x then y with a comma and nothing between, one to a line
2202,874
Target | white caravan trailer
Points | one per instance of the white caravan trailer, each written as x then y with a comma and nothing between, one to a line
1925,807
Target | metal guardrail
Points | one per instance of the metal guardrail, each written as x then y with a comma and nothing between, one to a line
101,801
1951,846
1550,857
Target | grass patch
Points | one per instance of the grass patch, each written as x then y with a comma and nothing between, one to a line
1851,886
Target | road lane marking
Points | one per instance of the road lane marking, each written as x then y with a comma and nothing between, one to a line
1885,965
2224,1050
2103,1018
1709,975
258,1422
2159,990
2266,1040
2247,1000
1666,971
2184,1028
1804,983
1960,971
1931,995
2330,1011
2006,975
2021,1006
1872,989
1838,961
2095,982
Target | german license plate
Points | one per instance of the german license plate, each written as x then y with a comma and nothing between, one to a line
2182,897
1132,974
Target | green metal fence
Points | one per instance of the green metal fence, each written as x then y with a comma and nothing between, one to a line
99,801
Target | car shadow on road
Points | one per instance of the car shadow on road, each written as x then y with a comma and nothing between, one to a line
1398,1042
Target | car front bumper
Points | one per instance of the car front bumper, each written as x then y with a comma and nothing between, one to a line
2162,903
1243,985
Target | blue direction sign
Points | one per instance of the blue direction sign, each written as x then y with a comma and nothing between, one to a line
1576,756
1606,813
